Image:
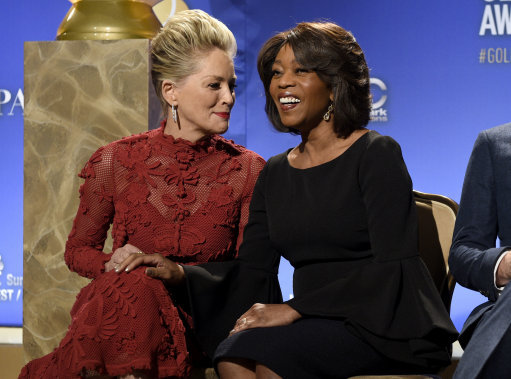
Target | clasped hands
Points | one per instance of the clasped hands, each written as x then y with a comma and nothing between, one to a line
129,257
265,315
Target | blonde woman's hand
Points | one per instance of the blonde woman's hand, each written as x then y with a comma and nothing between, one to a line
120,255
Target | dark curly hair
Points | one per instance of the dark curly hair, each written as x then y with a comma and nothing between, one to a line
338,60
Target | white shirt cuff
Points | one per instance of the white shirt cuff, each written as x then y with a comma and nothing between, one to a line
496,267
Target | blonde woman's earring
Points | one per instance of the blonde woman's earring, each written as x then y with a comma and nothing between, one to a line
174,113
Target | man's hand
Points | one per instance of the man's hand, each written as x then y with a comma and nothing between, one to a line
504,271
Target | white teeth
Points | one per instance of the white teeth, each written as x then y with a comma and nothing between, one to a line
289,100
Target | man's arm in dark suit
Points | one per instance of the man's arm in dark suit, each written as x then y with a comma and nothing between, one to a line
473,254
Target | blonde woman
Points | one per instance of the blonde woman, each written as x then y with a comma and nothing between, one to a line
176,195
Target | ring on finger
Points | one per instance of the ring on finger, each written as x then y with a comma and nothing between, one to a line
139,252
243,321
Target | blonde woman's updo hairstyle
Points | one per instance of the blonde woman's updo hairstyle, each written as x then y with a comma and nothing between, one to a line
335,56
182,42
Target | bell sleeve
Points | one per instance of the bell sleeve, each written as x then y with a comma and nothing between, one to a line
390,299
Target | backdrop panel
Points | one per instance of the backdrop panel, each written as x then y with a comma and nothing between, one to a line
441,73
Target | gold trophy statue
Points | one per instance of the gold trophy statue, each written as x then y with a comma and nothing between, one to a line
113,19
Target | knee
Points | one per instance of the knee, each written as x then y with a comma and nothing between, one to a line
236,368
265,372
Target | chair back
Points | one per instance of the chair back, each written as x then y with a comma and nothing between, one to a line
436,216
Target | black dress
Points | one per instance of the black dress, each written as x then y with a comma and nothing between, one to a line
349,229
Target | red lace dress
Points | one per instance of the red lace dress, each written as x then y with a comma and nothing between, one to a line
186,201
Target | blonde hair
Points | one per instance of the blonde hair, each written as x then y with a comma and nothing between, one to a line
184,39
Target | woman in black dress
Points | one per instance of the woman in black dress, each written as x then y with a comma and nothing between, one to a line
339,206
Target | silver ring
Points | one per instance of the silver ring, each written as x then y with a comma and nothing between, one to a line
243,321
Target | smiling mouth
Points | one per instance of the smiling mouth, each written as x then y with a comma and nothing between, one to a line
224,115
288,103
289,100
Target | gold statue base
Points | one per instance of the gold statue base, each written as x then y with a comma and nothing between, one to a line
108,20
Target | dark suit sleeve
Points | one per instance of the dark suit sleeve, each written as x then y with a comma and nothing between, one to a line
473,254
